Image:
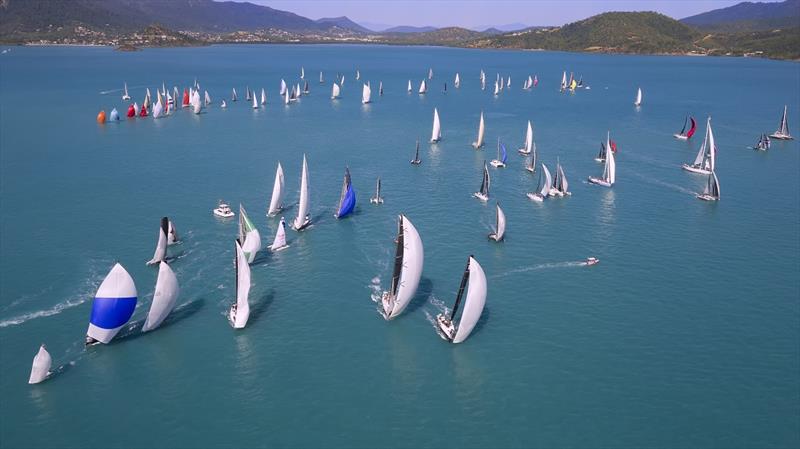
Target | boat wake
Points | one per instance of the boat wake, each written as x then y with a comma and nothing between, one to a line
668,185
541,266
439,307
375,287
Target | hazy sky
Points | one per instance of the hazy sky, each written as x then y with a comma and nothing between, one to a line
470,13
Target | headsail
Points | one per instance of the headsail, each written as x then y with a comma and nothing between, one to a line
249,237
280,237
347,200
240,311
481,130
276,204
161,247
436,132
164,298
408,261
41,366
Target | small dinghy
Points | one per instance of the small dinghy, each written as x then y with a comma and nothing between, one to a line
161,247
347,199
436,132
499,231
481,130
706,157
377,199
239,312
483,193
276,203
543,191
687,134
502,156
249,238
609,169
279,242
408,260
783,128
112,307
223,210
711,192
474,282
303,219
164,298
40,368
416,160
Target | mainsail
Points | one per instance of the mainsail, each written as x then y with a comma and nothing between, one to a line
276,204
436,132
161,247
408,260
280,237
302,219
164,298
366,93
481,130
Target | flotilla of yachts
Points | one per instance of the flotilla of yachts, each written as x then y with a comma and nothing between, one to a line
116,298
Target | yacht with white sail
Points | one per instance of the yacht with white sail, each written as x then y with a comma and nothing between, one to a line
763,143
161,247
474,282
239,312
423,87
609,169
366,94
560,183
711,192
638,101
436,132
125,96
499,231
545,183
481,130
164,298
408,260
706,157
335,92
279,243
416,160
377,199
276,203
40,368
528,146
483,193
783,128
303,219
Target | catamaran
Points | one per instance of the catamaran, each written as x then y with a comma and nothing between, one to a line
161,247
112,307
408,260
560,184
711,193
240,309
347,199
687,134
502,156
377,199
249,237
416,160
481,129
366,93
280,237
303,219
638,101
783,129
436,132
474,281
483,193
528,146
763,143
610,168
499,231
423,87
125,96
40,368
276,203
164,298
335,90
545,182
706,157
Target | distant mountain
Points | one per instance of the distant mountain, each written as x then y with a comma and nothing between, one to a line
749,16
622,32
492,31
503,28
344,22
409,29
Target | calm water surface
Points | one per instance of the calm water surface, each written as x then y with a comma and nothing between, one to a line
687,334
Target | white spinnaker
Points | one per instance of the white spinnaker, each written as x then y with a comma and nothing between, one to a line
276,203
117,284
161,248
501,223
366,93
413,258
280,237
164,298
547,181
302,209
474,303
242,289
41,366
436,132
335,91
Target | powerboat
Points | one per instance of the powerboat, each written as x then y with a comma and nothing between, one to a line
223,210
592,261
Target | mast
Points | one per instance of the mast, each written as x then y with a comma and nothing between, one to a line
461,287
236,276
416,155
398,257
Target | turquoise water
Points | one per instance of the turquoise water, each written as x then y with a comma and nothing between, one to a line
687,334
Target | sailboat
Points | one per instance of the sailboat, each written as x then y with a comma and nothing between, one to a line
255,102
114,117
302,73
545,182
276,203
481,130
496,88
207,99
706,157
610,168
283,90
601,156
474,281
687,134
508,81
280,237
499,230
711,192
112,307
164,298
240,310
321,79
380,88
638,101
457,81
347,199
305,88
423,87
125,96
223,105
408,260
197,105
430,74
783,129
377,199
483,193
161,247
436,132
335,91
410,89
234,97
303,220
527,147
366,93
502,156
172,235
263,96
358,75
564,81
535,80
560,184
247,93
416,160
533,162
40,368
249,238
763,143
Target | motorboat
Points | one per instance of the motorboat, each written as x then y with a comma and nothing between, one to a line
223,210
592,261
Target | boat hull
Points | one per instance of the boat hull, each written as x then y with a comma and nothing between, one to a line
781,136
476,146
680,137
693,169
481,196
600,182
221,214
445,327
523,151
493,236
305,225
416,162
535,197
497,164
705,197
376,200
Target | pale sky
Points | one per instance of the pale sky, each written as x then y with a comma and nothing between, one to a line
472,13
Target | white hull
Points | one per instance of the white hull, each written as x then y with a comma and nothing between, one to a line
376,200
223,214
481,196
694,169
305,225
493,236
279,248
680,137
531,169
523,151
497,164
416,162
705,197
600,182
781,136
446,328
476,146
535,197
